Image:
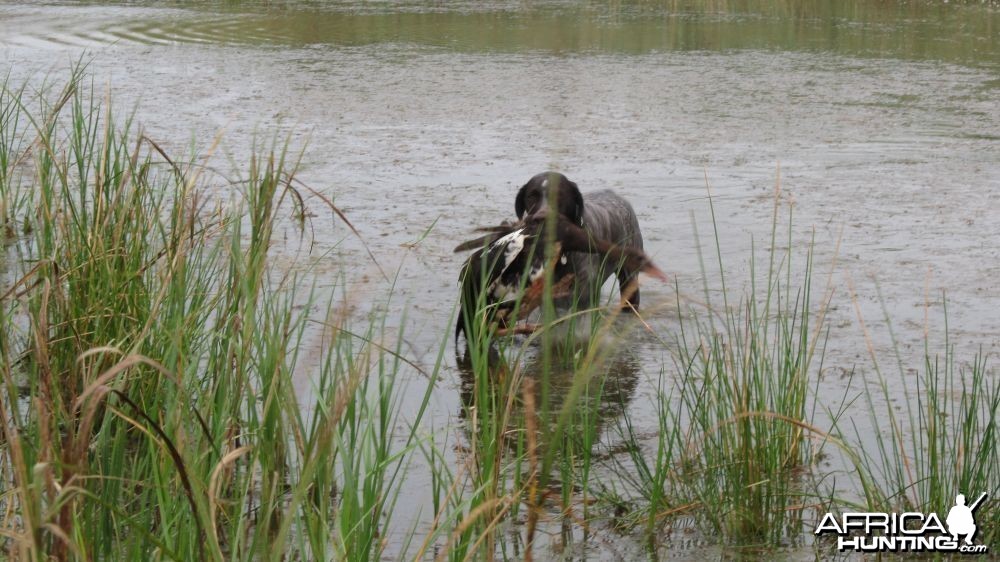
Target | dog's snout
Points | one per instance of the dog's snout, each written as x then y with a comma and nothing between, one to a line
539,214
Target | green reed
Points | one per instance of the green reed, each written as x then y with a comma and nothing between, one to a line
733,417
940,442
149,351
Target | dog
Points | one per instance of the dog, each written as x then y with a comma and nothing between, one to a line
607,219
590,243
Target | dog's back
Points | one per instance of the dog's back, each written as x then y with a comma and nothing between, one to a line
606,216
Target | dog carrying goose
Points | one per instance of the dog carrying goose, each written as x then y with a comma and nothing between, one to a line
507,268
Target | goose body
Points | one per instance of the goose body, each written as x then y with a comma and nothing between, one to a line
522,264
496,276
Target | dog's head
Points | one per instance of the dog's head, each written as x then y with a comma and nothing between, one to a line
548,191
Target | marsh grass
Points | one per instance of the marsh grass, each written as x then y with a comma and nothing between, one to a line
149,352
734,432
150,348
13,132
936,441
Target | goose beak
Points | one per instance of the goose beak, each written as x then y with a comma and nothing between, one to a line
653,271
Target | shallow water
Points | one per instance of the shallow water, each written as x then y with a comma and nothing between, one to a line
420,120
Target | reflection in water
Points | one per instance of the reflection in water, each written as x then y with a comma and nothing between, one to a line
610,380
913,30
562,402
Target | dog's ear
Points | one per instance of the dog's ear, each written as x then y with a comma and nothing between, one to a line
519,200
577,217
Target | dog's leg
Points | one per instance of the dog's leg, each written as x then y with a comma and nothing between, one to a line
628,284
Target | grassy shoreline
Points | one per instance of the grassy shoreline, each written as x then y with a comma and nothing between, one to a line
148,348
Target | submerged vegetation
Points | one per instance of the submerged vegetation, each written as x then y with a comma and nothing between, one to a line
149,349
